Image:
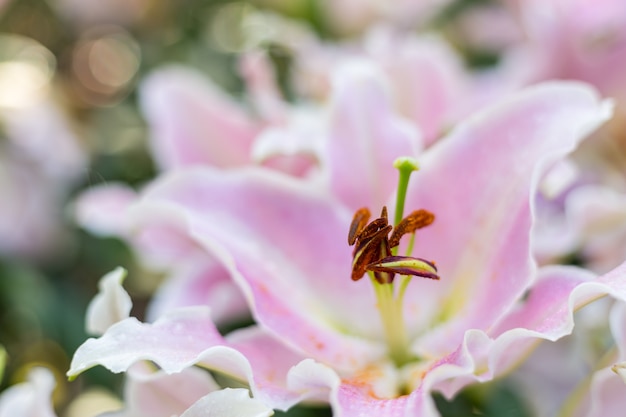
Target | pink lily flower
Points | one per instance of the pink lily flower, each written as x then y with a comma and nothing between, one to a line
196,279
322,336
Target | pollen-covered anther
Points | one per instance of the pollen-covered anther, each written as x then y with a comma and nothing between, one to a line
405,265
372,251
368,251
414,221
359,221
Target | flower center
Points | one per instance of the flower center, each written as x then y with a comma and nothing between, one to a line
375,253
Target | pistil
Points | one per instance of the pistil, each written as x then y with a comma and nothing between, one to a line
405,166
375,252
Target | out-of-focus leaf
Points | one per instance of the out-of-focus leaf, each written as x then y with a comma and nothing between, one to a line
496,399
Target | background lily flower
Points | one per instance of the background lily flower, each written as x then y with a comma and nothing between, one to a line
319,335
33,182
577,375
30,399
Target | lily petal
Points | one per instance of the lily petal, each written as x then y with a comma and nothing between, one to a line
547,314
285,245
156,394
228,403
426,76
481,236
193,122
30,399
173,342
102,209
111,305
365,138
200,282
187,337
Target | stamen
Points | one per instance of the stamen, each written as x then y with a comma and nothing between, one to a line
383,277
414,221
368,251
371,229
405,265
383,213
359,221
375,253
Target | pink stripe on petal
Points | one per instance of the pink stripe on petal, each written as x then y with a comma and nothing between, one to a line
478,182
286,247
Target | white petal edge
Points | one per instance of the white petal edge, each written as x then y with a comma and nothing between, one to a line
112,304
228,402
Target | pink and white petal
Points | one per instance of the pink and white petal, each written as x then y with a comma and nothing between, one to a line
228,402
265,228
256,69
111,305
200,282
362,394
548,312
481,236
618,328
365,137
187,337
598,215
606,391
193,122
159,236
548,376
606,395
294,148
427,78
174,342
102,209
271,362
30,399
158,240
356,396
355,400
546,307
448,375
150,393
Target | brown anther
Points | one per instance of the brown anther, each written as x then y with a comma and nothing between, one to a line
373,245
368,251
414,221
383,213
404,265
359,221
372,228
